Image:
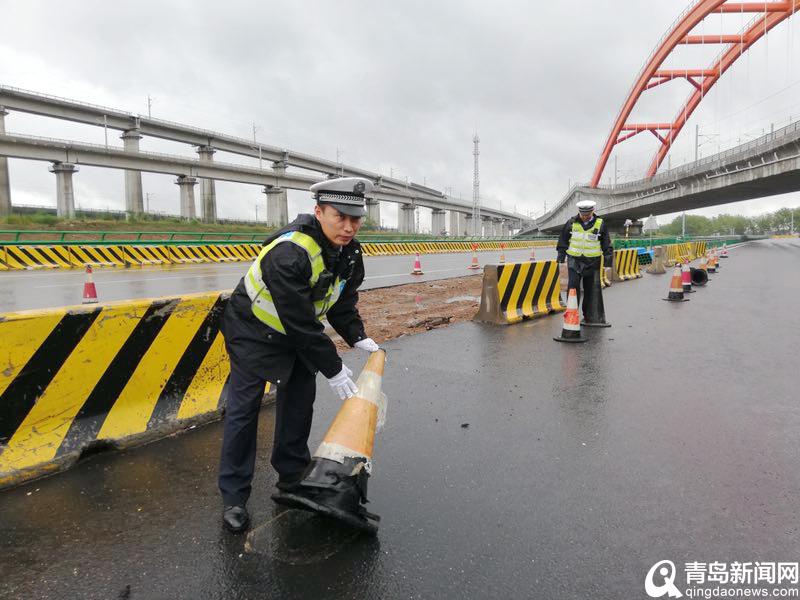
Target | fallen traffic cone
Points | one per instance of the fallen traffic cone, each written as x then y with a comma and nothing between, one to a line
335,483
699,276
533,253
686,279
417,266
474,264
502,253
676,287
571,330
89,290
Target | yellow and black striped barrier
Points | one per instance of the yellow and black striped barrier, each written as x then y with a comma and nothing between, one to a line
516,291
605,280
119,373
626,265
64,256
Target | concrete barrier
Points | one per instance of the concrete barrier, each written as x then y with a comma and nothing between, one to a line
516,291
626,265
116,374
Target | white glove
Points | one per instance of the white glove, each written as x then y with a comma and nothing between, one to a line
368,345
342,384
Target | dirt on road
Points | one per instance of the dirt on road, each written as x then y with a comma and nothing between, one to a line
406,309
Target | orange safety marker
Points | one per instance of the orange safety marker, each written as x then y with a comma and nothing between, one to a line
533,253
417,270
686,279
724,252
710,264
676,287
474,264
335,483
571,330
89,290
502,253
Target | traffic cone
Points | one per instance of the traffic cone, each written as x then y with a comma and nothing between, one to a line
594,312
571,330
710,266
699,276
502,253
533,253
417,266
474,264
335,483
686,279
89,290
676,287
724,252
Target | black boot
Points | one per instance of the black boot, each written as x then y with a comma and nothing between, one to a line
235,518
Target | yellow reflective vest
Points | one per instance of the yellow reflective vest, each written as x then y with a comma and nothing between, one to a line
264,308
585,242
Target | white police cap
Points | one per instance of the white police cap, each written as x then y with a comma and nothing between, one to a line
345,194
586,206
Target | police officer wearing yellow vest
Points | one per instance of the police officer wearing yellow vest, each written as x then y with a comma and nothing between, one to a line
273,330
583,241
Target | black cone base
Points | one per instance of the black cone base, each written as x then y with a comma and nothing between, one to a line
594,324
572,337
675,299
330,489
685,291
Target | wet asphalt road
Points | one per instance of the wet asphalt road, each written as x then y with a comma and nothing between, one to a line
672,435
24,290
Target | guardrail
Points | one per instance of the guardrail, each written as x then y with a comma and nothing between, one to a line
91,238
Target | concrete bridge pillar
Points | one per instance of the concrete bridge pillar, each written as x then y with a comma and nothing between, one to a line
208,193
456,229
488,226
437,222
277,206
5,182
277,200
469,227
134,202
65,193
186,185
405,218
504,229
374,211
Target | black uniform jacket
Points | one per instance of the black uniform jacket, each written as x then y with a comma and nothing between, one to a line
605,242
256,348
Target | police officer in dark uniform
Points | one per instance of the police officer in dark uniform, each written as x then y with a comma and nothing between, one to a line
309,270
584,240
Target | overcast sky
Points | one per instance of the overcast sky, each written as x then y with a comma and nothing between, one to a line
397,87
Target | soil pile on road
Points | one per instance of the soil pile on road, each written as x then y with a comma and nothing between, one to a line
405,309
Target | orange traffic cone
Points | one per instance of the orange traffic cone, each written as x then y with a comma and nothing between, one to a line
89,291
533,253
502,253
571,330
335,483
417,266
710,264
686,278
474,264
676,287
724,252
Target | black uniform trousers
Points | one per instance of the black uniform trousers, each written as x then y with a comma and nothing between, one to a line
581,276
293,414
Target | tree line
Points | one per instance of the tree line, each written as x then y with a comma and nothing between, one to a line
775,222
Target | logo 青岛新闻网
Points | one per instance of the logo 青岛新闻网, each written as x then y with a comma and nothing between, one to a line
665,571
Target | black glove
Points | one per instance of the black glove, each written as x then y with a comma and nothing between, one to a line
561,258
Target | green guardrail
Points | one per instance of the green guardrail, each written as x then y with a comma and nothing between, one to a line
712,241
166,238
